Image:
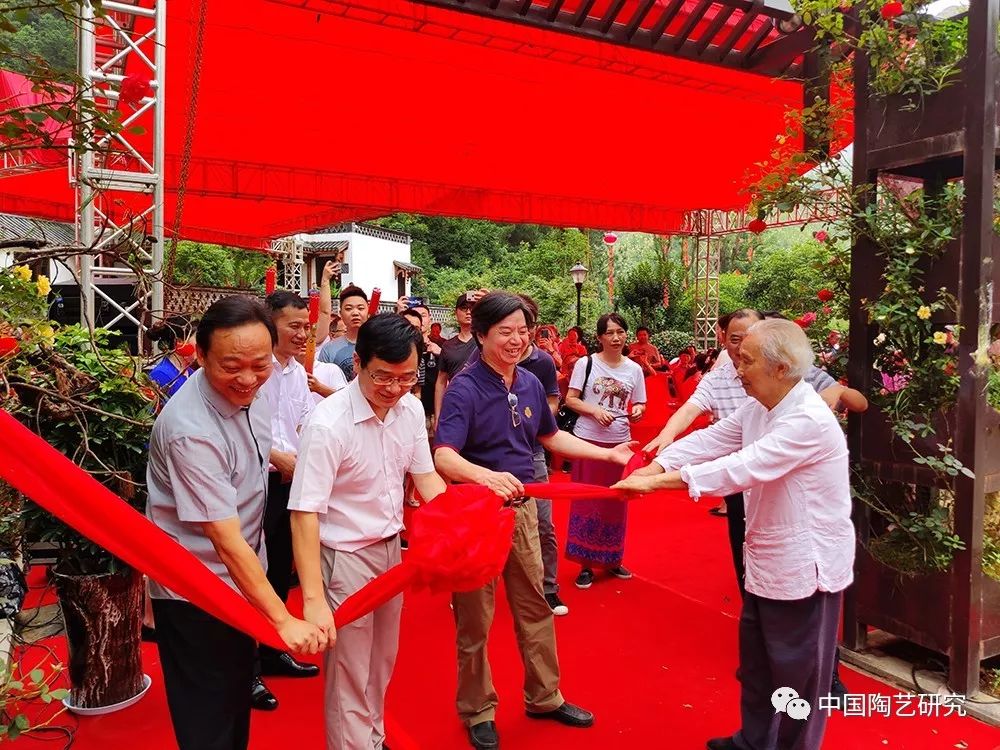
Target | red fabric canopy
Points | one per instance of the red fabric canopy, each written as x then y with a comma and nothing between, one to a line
16,93
312,115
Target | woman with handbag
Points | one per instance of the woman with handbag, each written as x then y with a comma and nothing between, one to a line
607,391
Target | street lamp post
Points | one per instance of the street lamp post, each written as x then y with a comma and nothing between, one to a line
579,274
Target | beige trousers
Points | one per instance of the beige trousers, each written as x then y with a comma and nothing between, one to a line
358,668
533,626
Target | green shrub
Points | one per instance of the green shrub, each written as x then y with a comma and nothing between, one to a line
670,343
993,388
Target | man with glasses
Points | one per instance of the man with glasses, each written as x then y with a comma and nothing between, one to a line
492,415
347,512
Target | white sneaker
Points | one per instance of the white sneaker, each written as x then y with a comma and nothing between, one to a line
556,605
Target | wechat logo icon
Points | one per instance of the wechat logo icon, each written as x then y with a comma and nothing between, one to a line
786,700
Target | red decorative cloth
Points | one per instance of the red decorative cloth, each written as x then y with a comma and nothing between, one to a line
458,542
45,475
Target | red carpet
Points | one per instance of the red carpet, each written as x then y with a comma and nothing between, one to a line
653,657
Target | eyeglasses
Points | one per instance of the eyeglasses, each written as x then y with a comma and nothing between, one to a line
407,382
515,418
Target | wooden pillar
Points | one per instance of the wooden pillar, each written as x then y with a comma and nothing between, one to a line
864,285
816,71
974,291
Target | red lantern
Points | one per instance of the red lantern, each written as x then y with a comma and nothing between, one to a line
270,280
184,349
610,238
891,10
8,345
825,295
757,226
134,89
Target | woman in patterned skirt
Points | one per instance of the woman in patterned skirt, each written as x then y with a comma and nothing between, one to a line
607,400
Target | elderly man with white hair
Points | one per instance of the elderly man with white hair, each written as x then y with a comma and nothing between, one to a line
785,450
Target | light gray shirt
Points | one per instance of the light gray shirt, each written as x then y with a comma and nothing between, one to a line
208,462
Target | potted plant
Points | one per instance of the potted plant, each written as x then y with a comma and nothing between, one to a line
85,395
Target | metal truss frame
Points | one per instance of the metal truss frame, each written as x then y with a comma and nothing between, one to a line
116,171
291,253
704,226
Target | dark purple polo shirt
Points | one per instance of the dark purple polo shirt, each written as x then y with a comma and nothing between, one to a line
542,366
476,420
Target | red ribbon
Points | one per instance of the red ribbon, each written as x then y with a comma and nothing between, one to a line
458,542
45,475
640,460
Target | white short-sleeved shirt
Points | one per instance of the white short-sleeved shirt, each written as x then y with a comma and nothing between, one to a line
351,467
611,388
329,375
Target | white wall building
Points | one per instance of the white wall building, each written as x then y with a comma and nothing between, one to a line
372,257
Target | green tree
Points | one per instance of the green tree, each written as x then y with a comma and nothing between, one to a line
642,289
249,268
787,278
732,296
32,34
203,265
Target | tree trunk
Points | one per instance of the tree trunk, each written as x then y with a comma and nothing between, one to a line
103,618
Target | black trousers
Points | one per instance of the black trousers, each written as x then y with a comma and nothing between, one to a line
207,666
278,538
736,519
785,644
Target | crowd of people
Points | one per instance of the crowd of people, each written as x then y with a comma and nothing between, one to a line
262,460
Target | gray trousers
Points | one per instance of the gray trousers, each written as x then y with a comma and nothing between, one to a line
358,668
785,644
546,532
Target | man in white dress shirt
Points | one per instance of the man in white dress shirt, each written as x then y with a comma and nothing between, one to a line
287,394
785,450
347,512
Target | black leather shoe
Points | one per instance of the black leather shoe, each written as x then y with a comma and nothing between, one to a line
838,693
722,743
484,736
568,714
260,697
283,665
